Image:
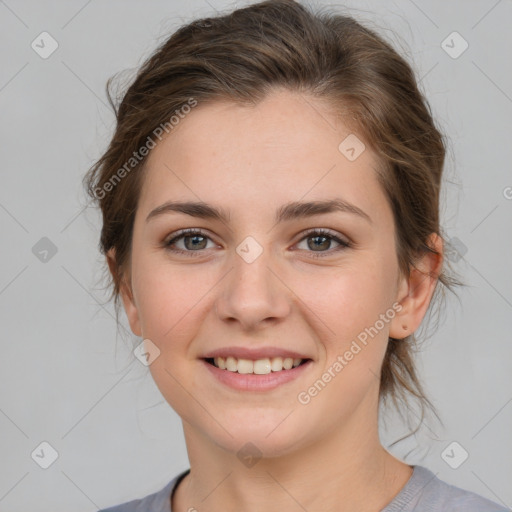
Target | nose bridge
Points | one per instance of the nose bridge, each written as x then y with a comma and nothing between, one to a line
252,293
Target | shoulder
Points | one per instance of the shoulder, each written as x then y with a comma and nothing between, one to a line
425,492
156,502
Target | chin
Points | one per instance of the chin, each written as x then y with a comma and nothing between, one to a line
262,432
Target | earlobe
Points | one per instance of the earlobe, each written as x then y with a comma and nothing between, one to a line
415,291
126,293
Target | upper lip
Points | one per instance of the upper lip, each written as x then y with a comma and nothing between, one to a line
253,353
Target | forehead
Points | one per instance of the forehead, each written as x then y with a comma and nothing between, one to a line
288,147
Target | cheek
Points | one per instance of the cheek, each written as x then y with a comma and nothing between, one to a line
355,309
170,297
173,301
354,335
349,301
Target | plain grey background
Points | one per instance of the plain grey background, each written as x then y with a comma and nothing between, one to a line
68,379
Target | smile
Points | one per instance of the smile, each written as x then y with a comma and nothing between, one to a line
258,367
255,375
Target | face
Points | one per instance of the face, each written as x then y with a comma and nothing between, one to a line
256,285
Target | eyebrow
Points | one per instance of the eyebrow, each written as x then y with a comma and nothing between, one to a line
289,211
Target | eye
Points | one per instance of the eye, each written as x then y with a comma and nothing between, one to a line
194,241
322,239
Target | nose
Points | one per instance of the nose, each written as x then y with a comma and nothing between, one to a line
253,293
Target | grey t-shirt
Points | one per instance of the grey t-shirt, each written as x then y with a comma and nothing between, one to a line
423,492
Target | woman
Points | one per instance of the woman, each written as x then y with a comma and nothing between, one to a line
270,205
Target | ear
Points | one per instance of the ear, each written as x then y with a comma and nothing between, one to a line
416,291
125,290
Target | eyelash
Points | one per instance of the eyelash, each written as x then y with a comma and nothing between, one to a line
314,232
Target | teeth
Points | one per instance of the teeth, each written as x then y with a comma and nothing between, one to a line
276,364
262,366
245,366
231,364
258,367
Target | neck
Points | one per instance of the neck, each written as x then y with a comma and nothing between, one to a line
346,470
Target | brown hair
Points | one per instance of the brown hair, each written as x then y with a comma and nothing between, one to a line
241,57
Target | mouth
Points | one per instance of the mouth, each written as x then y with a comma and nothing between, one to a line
262,366
256,369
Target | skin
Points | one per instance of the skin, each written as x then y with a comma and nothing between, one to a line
325,455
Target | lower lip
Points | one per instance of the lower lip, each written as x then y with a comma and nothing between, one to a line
253,382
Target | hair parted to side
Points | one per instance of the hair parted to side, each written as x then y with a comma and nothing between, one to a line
243,56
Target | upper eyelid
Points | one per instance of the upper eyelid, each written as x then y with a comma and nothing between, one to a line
187,232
